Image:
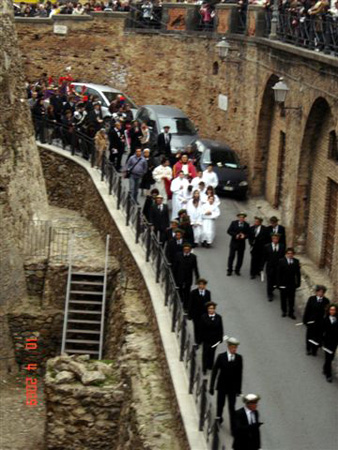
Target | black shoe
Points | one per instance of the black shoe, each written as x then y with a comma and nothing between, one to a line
309,353
229,273
283,314
329,379
253,277
237,272
270,299
292,316
208,245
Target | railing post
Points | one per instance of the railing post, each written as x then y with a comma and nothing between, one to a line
215,436
110,179
148,243
103,167
138,224
203,404
192,370
119,192
92,152
72,145
158,263
175,308
183,337
128,208
166,291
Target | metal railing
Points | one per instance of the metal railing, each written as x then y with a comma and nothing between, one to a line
69,279
154,253
103,311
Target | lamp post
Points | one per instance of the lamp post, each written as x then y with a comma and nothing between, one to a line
274,20
280,90
223,47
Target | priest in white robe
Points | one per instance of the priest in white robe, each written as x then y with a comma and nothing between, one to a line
162,174
210,212
178,186
194,210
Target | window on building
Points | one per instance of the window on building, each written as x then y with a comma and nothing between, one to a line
333,146
215,68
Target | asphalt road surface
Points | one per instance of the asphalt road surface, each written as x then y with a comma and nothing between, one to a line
298,406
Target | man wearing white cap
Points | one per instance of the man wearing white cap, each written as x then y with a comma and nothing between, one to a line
247,434
229,369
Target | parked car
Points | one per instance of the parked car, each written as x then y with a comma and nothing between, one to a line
106,95
183,131
231,174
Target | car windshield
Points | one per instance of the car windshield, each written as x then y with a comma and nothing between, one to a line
221,158
111,96
178,125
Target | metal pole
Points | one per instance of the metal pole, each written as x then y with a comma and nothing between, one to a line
148,243
192,370
128,208
119,192
183,337
158,263
274,21
203,404
138,224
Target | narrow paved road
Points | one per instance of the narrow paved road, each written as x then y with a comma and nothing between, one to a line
298,407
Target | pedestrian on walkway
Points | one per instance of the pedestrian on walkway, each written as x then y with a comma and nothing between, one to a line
159,218
273,252
211,335
258,238
174,247
313,319
178,185
184,268
136,167
194,209
228,370
239,231
210,212
288,280
197,306
330,340
210,177
247,434
162,174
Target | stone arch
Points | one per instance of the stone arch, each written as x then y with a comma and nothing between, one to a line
318,118
263,137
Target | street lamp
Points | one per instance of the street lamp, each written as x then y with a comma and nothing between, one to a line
223,48
280,90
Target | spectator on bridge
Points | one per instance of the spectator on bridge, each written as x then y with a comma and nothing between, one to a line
210,212
239,232
51,131
159,218
207,12
184,268
135,137
247,433
135,169
95,118
184,165
39,114
288,280
330,340
228,370
210,178
258,238
313,318
211,335
164,142
334,10
273,252
101,146
162,175
147,11
67,129
177,187
78,10
195,211
197,307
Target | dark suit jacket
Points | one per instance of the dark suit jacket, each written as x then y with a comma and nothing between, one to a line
272,258
258,242
246,437
315,311
281,231
288,275
211,330
197,303
160,219
234,229
330,334
172,249
184,268
163,147
229,374
115,141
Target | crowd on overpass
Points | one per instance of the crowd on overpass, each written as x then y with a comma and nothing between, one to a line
59,112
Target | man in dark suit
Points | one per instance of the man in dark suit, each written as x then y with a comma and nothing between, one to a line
159,218
211,334
116,145
174,246
246,434
257,239
95,118
170,231
288,280
239,232
273,252
185,266
313,319
274,228
163,142
330,340
229,369
198,299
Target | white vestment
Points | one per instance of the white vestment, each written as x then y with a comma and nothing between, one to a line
158,173
210,179
208,227
178,186
196,219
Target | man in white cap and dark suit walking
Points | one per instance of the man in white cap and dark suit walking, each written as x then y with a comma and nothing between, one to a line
246,433
228,370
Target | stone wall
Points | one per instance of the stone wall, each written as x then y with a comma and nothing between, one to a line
180,70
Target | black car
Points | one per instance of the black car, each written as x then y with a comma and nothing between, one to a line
231,174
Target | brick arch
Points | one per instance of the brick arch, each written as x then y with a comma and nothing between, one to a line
263,137
318,118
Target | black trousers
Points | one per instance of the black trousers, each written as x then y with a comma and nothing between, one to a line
271,281
257,262
287,297
221,397
327,368
239,250
197,330
208,356
184,291
313,332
